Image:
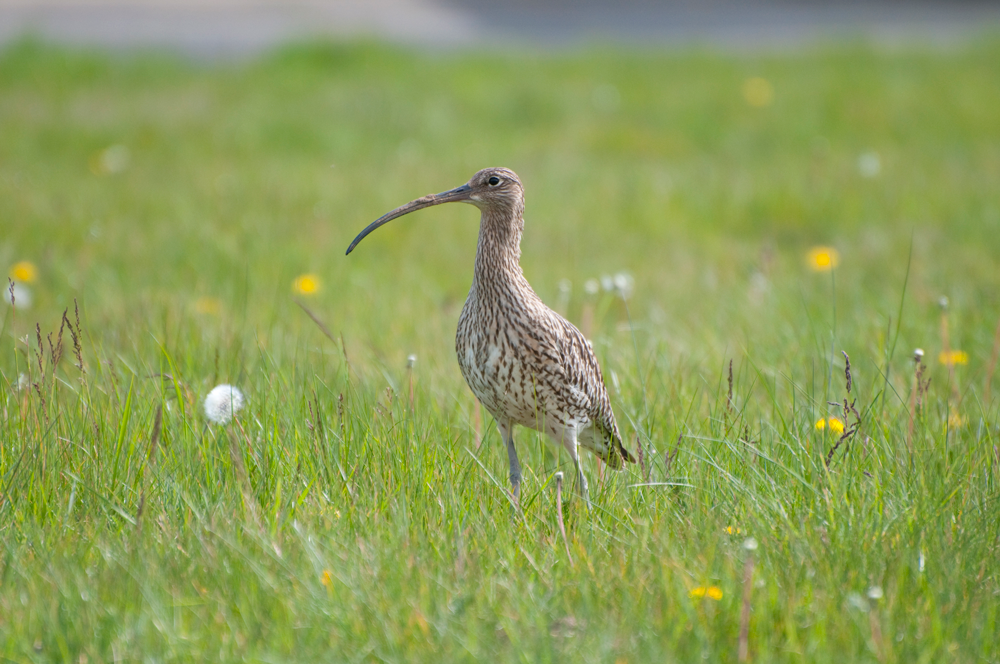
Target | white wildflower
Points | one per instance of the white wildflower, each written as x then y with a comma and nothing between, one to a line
222,403
591,287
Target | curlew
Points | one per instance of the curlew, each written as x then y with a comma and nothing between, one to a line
525,363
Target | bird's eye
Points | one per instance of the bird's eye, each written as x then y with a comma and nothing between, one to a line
494,181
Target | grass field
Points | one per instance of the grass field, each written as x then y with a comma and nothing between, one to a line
348,513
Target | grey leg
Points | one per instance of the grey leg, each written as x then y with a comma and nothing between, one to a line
507,432
571,445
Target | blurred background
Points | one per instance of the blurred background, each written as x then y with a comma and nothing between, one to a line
723,195
241,26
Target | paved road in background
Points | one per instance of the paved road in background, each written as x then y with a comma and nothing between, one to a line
238,27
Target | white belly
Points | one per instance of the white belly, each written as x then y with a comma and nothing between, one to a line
499,379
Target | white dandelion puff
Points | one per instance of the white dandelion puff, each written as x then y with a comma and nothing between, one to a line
624,283
222,403
869,164
20,298
592,287
856,601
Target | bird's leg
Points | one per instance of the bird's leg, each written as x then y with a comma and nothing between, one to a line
572,446
507,432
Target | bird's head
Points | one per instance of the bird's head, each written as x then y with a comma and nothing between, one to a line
492,190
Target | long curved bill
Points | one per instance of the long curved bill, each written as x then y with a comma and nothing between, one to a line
462,193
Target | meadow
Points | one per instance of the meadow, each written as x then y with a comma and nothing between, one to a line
727,228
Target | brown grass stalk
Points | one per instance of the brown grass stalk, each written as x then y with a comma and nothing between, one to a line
559,515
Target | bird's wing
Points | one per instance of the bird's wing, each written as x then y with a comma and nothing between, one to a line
577,377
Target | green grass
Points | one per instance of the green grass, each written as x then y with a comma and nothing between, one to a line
368,526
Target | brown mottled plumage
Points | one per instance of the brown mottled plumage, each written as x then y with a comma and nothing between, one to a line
525,363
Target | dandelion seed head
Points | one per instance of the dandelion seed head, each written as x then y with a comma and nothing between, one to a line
222,403
943,302
750,544
112,159
22,296
875,592
410,361
918,354
856,601
869,164
624,283
591,287
607,283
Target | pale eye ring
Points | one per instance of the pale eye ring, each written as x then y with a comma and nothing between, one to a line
493,181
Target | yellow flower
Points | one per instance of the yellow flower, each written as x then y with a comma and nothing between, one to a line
327,578
712,592
208,305
733,531
955,419
953,357
306,284
834,423
823,259
758,92
24,271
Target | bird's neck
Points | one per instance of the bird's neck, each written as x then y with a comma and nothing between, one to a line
499,250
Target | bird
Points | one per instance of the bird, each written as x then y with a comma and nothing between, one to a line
526,364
